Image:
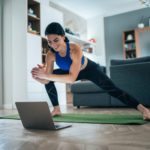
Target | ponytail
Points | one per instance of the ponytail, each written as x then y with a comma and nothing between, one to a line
66,39
51,49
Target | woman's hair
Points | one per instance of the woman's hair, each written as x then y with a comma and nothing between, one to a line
55,28
51,49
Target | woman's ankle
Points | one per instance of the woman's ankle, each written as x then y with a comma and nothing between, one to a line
57,108
56,111
141,108
145,111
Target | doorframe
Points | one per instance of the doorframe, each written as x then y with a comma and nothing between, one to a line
1,54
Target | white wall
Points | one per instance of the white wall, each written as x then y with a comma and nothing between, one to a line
7,52
95,29
19,49
1,91
14,55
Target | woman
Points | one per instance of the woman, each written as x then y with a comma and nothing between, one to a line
74,66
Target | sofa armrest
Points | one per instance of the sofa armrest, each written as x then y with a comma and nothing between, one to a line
115,62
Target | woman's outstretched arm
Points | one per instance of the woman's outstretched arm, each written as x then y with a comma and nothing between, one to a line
76,56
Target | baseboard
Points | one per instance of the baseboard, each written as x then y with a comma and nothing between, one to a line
7,106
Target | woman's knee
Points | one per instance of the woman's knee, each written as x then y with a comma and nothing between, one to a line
48,85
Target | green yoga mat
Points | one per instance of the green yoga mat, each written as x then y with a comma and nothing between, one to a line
93,118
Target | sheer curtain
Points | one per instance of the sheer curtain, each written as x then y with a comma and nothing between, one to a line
1,84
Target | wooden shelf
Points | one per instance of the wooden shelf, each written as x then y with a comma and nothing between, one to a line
129,41
131,48
33,32
129,44
142,29
33,18
32,2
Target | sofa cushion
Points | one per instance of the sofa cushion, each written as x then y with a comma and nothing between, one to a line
85,87
91,99
115,62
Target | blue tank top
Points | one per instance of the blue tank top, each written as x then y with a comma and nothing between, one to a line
64,63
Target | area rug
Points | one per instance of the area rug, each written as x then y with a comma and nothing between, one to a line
93,118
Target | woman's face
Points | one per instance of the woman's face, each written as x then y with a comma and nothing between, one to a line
56,41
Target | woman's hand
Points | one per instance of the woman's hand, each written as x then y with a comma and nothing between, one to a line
34,76
39,73
41,66
32,72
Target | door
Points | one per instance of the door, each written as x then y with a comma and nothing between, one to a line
1,84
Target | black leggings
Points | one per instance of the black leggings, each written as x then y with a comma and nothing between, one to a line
93,73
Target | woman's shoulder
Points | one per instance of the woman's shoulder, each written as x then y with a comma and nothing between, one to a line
50,55
75,49
74,46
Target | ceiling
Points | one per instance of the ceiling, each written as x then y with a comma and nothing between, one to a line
91,8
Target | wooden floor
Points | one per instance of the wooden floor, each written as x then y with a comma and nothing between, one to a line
79,137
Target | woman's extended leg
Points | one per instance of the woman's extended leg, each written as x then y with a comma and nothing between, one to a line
94,73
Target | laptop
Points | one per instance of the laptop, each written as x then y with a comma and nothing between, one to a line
36,115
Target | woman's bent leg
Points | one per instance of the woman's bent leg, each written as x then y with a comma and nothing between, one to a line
52,93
